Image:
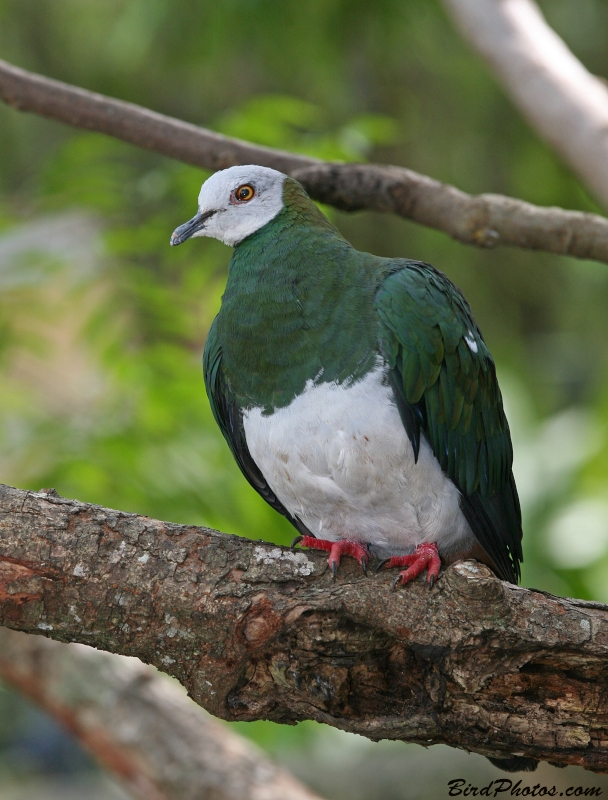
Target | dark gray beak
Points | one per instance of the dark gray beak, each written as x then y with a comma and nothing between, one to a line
189,228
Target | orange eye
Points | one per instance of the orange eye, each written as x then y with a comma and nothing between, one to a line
244,193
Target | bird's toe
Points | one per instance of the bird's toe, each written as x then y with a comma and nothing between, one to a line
424,557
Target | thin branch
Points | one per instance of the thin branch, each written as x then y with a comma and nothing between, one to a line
256,631
141,726
485,220
564,103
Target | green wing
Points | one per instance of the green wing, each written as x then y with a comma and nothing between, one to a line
445,387
229,418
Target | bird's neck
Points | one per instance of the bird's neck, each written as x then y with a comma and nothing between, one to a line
298,307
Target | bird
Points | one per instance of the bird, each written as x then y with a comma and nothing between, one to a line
356,392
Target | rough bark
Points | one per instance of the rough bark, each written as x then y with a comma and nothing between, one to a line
141,726
485,220
256,631
564,103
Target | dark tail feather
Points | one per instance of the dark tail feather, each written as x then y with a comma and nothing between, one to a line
496,524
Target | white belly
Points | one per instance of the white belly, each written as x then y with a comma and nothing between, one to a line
339,459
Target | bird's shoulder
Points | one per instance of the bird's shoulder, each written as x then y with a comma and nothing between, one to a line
411,291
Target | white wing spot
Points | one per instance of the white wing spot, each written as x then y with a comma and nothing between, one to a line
470,340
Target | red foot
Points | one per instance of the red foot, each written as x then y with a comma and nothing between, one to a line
425,556
336,551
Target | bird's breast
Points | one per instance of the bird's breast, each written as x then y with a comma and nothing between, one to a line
349,434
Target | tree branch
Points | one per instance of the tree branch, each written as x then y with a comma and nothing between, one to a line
562,101
256,631
141,726
485,220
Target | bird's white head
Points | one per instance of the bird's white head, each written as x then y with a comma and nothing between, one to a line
235,203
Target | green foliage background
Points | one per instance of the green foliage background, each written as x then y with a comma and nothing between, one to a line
102,329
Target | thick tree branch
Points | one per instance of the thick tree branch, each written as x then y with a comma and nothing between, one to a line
485,220
562,101
141,726
256,631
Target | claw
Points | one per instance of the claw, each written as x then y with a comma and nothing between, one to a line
296,541
382,563
334,570
424,557
364,562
